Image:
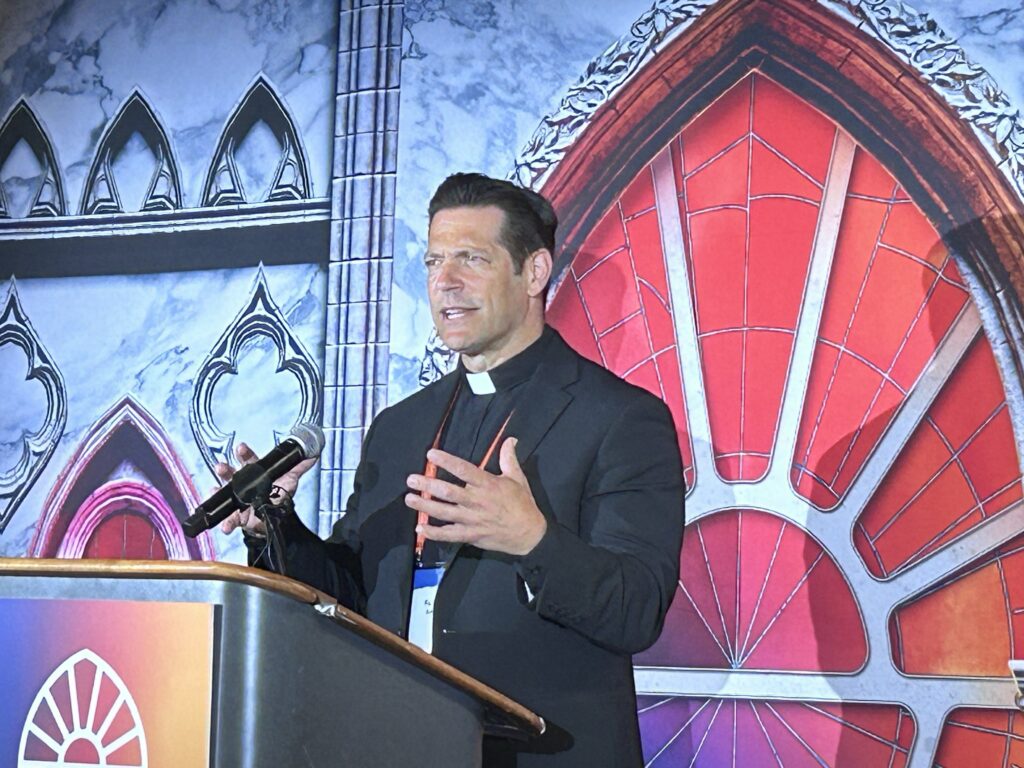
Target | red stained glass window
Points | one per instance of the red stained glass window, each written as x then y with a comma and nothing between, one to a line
615,307
844,423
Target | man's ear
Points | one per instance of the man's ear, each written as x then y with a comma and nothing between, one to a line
538,267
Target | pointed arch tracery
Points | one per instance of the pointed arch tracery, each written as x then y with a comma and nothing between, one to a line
36,447
101,194
260,317
290,180
125,465
22,124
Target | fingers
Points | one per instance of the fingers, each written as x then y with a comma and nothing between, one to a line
438,489
223,471
439,510
232,521
245,519
245,454
448,533
467,472
509,462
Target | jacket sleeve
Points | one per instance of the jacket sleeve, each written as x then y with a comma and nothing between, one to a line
614,580
332,566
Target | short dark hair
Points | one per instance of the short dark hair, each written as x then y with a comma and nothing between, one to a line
530,221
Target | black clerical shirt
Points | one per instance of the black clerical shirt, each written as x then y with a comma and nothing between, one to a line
476,419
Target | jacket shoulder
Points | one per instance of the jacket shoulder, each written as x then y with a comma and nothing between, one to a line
602,385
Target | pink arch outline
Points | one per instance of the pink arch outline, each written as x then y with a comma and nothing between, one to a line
126,413
111,498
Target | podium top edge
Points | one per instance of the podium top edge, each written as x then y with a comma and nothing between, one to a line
196,570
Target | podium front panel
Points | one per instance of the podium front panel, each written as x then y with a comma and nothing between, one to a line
278,684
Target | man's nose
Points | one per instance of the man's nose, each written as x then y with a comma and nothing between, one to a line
449,275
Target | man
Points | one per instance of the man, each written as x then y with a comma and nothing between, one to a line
530,499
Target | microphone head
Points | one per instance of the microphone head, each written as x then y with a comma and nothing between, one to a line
310,438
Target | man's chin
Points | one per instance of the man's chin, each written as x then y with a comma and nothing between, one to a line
458,342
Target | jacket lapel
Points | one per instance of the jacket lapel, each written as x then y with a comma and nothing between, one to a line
537,409
543,400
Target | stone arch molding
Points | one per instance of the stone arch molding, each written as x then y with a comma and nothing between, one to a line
73,510
260,316
101,193
223,185
89,725
959,156
22,124
36,447
911,36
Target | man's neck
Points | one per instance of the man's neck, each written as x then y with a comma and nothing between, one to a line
487,361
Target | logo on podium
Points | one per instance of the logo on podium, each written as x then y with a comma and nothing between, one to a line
83,715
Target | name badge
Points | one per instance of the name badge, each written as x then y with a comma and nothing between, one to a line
421,614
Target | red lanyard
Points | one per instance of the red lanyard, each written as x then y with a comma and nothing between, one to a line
430,470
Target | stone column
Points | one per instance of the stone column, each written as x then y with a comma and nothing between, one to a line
362,228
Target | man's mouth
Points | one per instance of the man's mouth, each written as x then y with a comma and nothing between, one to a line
454,313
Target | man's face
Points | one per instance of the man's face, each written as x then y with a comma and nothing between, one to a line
478,302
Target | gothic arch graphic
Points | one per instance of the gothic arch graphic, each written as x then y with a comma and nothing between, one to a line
21,124
101,194
753,233
290,179
125,473
259,317
59,731
36,447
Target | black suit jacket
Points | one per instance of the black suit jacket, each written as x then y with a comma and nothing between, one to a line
603,464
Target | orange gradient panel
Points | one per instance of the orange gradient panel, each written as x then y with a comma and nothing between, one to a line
157,655
969,625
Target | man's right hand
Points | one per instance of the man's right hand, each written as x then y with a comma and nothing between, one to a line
246,518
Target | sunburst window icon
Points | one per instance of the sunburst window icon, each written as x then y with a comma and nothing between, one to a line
83,715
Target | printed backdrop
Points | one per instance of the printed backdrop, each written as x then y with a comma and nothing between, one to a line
794,221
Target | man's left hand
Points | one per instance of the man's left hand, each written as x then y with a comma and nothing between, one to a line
493,512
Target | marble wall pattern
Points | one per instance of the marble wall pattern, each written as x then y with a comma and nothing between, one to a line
76,63
146,335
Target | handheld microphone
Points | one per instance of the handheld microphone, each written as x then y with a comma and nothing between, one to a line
305,441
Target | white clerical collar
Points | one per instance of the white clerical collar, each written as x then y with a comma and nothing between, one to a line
480,383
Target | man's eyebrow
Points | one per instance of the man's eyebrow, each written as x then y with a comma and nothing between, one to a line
460,252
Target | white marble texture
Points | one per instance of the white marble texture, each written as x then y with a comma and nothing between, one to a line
478,77
992,34
147,336
76,63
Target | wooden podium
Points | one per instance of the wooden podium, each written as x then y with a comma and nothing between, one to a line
209,664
